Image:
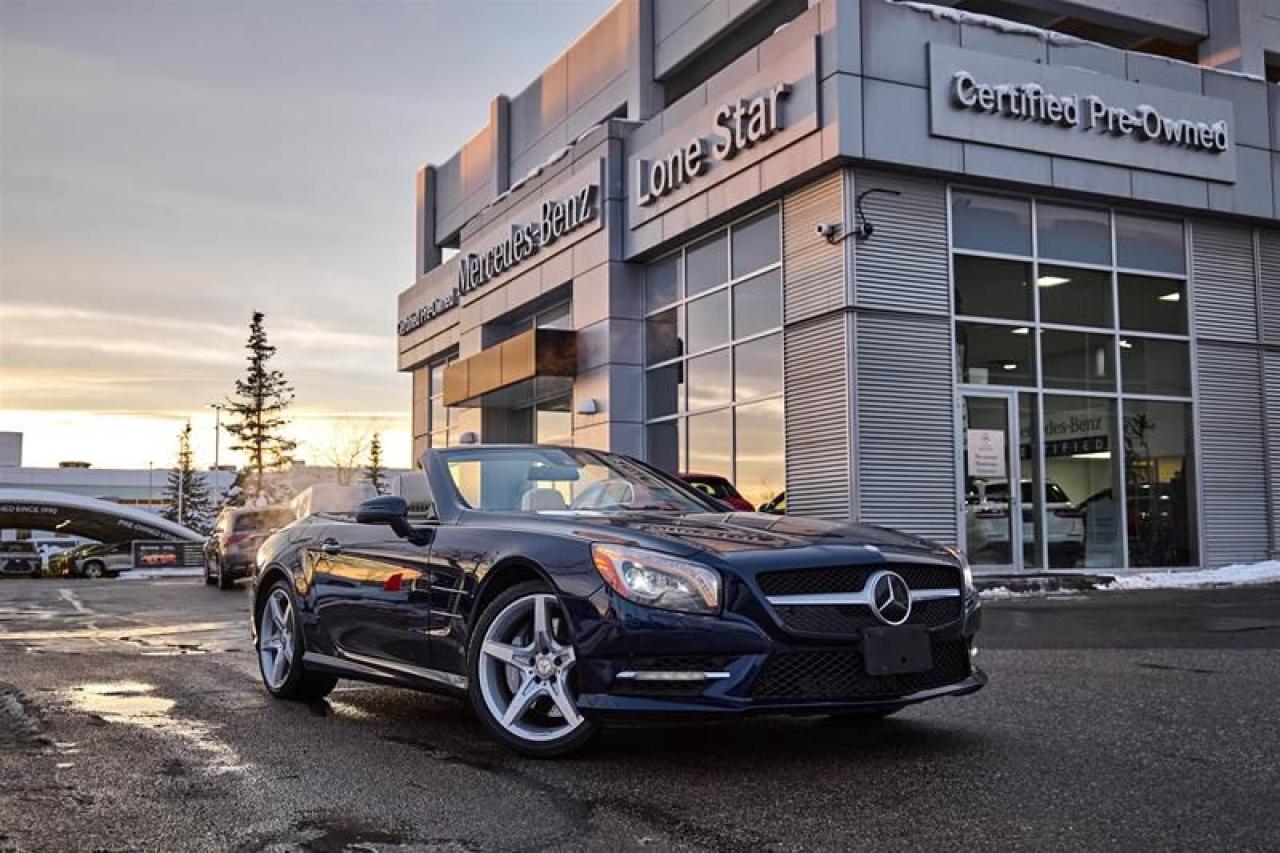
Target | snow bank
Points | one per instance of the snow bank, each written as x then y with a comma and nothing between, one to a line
1237,575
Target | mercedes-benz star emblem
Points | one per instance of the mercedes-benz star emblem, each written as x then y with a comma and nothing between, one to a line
890,597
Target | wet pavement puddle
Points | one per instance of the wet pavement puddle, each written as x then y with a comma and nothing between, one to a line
135,703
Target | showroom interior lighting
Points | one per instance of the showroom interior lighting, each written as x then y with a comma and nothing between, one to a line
1022,330
1171,297
1051,280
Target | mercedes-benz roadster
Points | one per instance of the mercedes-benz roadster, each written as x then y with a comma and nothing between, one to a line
562,590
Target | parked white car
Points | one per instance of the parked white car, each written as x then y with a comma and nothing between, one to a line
987,522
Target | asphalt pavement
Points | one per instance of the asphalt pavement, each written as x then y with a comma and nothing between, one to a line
132,718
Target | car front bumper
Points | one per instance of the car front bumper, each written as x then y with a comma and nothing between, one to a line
753,663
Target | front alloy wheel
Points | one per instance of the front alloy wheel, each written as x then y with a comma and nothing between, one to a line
523,684
280,650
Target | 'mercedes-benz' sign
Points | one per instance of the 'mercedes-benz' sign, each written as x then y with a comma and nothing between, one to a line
1071,112
557,219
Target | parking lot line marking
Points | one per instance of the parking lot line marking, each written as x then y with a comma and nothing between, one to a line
119,633
70,597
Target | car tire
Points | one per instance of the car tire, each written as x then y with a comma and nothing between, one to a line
280,649
520,678
93,570
221,579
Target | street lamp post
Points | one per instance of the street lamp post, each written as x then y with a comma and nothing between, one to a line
217,431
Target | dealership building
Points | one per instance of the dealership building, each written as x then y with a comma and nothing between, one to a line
890,258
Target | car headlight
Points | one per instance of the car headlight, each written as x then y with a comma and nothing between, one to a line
658,580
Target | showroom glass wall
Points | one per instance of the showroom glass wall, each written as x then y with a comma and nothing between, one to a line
1079,317
713,356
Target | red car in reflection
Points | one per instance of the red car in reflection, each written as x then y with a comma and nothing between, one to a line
719,488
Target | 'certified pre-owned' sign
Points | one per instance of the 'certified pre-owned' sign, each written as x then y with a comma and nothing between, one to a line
557,219
980,97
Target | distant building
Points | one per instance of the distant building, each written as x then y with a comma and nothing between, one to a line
10,449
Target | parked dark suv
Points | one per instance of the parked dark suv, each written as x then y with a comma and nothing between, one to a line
231,548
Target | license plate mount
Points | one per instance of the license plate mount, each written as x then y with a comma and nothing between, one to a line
897,650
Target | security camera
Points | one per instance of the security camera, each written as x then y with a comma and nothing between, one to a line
830,230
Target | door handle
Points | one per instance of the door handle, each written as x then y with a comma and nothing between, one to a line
331,547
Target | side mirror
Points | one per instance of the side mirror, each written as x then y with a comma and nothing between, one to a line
393,511
387,509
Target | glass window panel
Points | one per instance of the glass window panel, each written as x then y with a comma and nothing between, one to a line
995,355
1074,297
1150,244
437,379
758,368
757,304
991,223
710,380
1156,367
1153,304
662,336
1073,234
711,443
988,287
1083,522
1078,360
439,414
755,243
706,264
553,421
662,282
1029,476
664,445
708,321
1159,484
557,317
664,387
760,454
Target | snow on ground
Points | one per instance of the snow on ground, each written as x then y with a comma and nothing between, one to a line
1240,574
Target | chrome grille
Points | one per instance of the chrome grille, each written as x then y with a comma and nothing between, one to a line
850,578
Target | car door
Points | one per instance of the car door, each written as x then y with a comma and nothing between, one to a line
119,557
372,594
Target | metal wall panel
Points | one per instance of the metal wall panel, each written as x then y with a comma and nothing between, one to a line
1226,296
905,408
903,266
1233,462
1269,284
814,280
1271,400
816,355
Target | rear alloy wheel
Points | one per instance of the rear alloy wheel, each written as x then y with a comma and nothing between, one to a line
94,570
280,650
522,680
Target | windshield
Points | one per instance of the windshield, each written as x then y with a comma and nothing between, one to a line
562,480
267,519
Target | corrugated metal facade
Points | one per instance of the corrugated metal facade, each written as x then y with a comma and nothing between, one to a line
1269,270
815,281
1234,509
816,355
905,265
1271,398
818,418
904,399
1233,445
1226,296
906,470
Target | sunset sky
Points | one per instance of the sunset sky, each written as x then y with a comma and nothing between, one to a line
168,167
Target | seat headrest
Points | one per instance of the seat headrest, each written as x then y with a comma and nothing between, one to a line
542,500
415,490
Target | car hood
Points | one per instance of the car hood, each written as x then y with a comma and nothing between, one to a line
734,535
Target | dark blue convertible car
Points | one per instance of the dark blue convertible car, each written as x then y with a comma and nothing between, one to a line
563,590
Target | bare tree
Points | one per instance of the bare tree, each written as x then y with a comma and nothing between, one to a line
347,447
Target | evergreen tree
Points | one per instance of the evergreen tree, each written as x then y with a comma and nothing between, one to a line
257,418
374,473
187,490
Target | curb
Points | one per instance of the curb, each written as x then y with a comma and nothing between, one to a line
1044,582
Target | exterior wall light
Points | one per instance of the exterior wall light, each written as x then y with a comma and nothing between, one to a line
589,406
865,228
